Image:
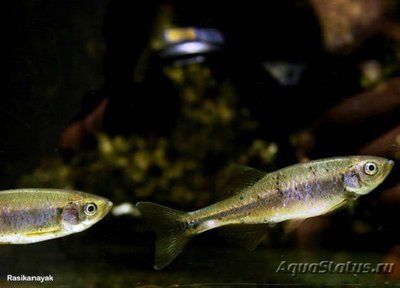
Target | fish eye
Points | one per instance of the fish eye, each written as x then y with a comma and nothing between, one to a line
370,168
90,209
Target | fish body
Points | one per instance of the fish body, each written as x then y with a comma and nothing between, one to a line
297,192
34,215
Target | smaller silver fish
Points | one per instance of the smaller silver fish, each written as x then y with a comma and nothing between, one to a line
296,192
34,215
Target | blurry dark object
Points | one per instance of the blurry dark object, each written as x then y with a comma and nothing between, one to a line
386,145
372,73
346,24
73,136
308,234
54,52
364,108
286,73
393,257
392,195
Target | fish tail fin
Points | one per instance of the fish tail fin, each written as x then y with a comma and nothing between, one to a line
170,230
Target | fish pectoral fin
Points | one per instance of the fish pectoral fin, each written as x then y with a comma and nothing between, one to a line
246,236
240,178
341,205
350,204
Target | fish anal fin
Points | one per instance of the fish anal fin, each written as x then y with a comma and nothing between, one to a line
292,225
240,177
246,236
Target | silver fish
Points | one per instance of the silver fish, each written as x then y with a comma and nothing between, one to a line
33,215
296,192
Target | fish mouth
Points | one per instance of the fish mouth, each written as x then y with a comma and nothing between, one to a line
106,207
388,167
109,205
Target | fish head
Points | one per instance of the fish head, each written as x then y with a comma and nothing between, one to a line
83,211
365,173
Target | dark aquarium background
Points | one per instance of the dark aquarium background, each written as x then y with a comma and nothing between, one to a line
151,100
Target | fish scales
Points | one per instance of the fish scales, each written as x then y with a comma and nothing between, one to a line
24,220
299,191
279,192
27,210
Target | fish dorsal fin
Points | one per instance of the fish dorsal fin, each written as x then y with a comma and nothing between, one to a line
240,178
246,236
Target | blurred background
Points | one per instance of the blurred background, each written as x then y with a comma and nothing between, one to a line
154,100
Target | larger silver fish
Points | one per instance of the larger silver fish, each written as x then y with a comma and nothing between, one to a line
33,215
296,192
